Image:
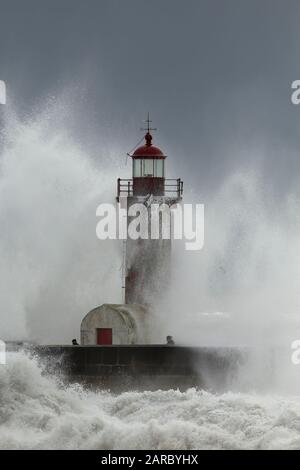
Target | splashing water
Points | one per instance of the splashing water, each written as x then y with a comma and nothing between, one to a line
53,269
243,288
38,413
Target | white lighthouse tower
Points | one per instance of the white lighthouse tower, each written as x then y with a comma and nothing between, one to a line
147,261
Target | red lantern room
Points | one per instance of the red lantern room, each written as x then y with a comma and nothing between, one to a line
148,172
148,169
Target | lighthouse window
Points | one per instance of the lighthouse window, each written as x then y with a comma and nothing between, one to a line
149,167
137,168
159,168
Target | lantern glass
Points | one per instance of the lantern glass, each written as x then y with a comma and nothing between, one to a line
148,167
159,168
137,168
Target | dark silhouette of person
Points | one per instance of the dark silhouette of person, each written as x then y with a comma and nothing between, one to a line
74,342
170,341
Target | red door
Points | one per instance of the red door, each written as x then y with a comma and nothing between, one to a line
104,335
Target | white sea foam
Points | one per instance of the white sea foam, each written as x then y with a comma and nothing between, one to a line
37,412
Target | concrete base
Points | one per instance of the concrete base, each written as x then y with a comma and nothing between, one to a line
146,367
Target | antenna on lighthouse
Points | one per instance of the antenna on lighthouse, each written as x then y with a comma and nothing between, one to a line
148,122
148,129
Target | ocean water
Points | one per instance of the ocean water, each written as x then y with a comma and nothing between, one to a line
38,412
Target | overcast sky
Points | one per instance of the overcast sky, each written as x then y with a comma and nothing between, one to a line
214,74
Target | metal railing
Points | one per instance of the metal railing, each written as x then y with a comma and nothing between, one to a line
172,187
125,187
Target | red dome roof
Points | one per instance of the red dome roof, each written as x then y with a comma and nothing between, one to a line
148,150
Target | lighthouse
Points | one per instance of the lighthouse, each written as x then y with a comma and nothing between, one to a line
146,259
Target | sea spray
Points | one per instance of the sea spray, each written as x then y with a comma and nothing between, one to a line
53,269
241,289
38,412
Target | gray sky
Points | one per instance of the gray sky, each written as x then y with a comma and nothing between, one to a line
214,74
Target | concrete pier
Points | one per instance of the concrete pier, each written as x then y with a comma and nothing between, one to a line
146,367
